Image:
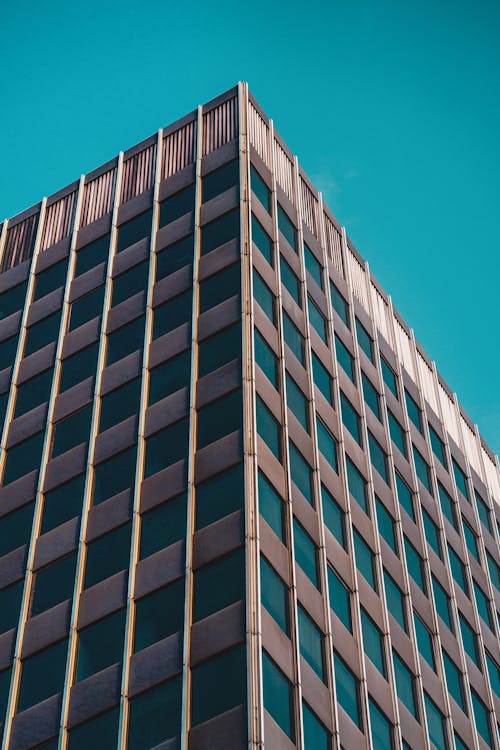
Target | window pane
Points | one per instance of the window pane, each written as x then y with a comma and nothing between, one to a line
484,512
458,570
422,470
424,641
265,358
166,447
260,188
100,645
92,255
310,642
271,506
339,304
382,729
10,605
278,696
483,606
460,480
220,180
120,404
220,231
172,314
264,297
437,446
13,299
155,715
261,238
413,411
293,338
33,392
301,473
386,525
327,444
268,428
47,280
322,379
169,377
215,351
389,377
219,287
107,555
365,562
340,598
177,205
316,737
174,257
274,595
114,475
345,359
219,496
53,584
373,642
103,729
23,458
447,506
443,603
415,565
134,230
125,340
71,431
432,534
62,503
351,419
398,435
297,402
347,688
471,540
405,684
371,395
395,600
159,615
365,341
313,266
305,552
317,320
42,675
163,525
42,333
287,228
454,683
86,308
231,691
130,282
8,349
482,718
378,457
435,723
469,639
78,367
357,485
15,528
219,584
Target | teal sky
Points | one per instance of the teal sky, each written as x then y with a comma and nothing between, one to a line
392,107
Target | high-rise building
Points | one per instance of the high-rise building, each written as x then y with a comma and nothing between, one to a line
239,507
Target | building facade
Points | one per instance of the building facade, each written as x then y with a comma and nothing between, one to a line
239,506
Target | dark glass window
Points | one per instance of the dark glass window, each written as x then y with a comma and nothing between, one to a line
345,359
443,603
293,338
348,691
10,605
365,341
460,479
8,349
436,724
219,496
220,180
422,469
260,188
71,431
169,376
382,729
264,296
438,446
92,255
174,257
415,565
494,673
483,606
53,584
305,552
219,418
177,205
316,737
405,684
322,379
339,598
103,729
271,506
482,718
278,696
42,675
339,304
432,533
155,715
220,231
120,404
163,525
297,402
219,287
414,412
389,376
371,395
378,457
447,506
219,584
262,240
42,333
159,615
471,540
357,485
301,473
15,528
265,358
398,435
23,458
125,340
78,366
395,600
134,230
386,525
365,560
317,320
33,392
268,428
290,281
231,691
62,503
50,279
130,282
217,350
484,512
12,300
458,570
327,444
424,641
274,594
454,681
107,555
469,640
86,308
100,645
373,642
494,569
311,643
172,313
166,447
287,229
114,475
313,266
351,419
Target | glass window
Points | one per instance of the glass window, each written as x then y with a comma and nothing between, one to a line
313,266
271,506
310,642
386,525
134,230
42,675
219,584
155,715
432,534
177,205
371,395
159,614
415,565
414,412
220,231
100,645
53,584
86,308
10,605
398,435
389,376
172,313
114,475
395,600
42,333
268,428
62,503
78,367
294,339
219,418
220,180
120,404
107,555
447,506
290,281
219,496
166,447
48,280
169,377
345,359
266,359
484,512
219,349
460,479
469,640
231,691
494,569
458,570
131,282
219,287
483,606
422,469
405,684
339,304
454,681
459,743
378,457
12,300
262,240
351,419
424,641
443,603
305,552
365,560
373,642
265,298
15,528
381,727
92,255
358,486
71,431
163,525
405,496
339,598
494,673
104,729
301,473
471,539
176,256
481,718
333,516
287,228
23,458
317,320
316,737
125,340
274,595
437,446
365,341
297,402
322,379
327,444
348,691
436,723
8,349
33,392
278,696
260,188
